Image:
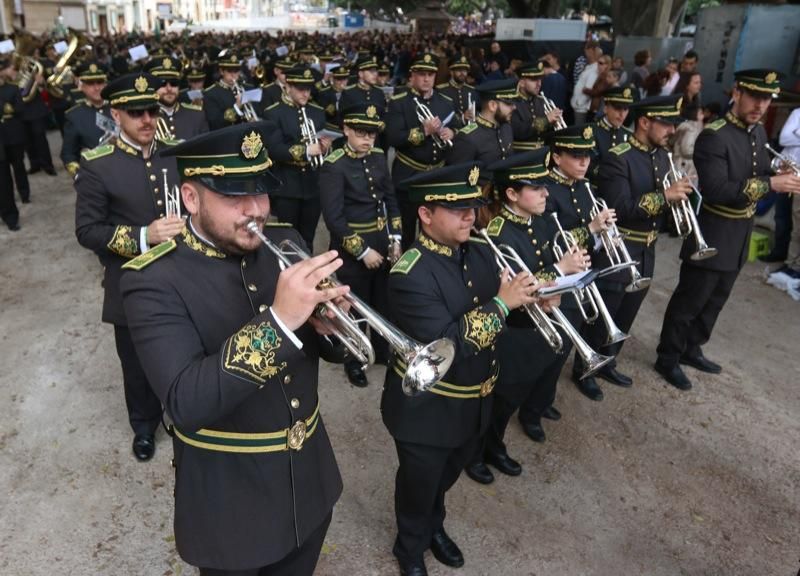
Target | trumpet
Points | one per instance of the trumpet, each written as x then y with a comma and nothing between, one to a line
424,114
590,296
547,325
781,162
172,198
549,106
614,245
394,251
246,110
308,131
684,216
470,109
426,363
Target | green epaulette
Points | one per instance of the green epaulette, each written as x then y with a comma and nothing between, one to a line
191,107
170,142
71,108
399,96
377,150
620,148
334,156
350,87
495,225
324,88
717,124
209,87
445,96
406,262
469,128
271,106
314,105
477,240
98,152
143,260
276,224
270,84
442,85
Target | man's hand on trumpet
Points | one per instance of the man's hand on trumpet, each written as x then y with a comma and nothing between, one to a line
603,221
679,191
574,261
785,183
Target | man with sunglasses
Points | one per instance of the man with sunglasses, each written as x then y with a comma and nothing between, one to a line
360,210
183,121
82,129
120,213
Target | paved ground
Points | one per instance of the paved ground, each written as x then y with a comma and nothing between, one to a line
650,481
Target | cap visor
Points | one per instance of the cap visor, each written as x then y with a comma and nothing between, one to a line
264,183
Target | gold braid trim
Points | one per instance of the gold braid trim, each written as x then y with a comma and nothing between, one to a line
545,276
123,243
251,352
298,152
396,224
72,168
353,244
581,234
541,124
755,189
481,328
434,246
230,116
192,242
652,203
416,136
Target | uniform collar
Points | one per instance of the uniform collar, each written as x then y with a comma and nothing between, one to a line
434,246
350,152
512,216
365,87
735,120
417,93
484,122
169,112
124,144
197,243
639,145
288,101
605,124
455,84
559,177
227,87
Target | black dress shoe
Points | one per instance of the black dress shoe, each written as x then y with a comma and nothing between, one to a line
674,375
51,171
412,569
504,463
534,431
615,377
551,413
26,200
445,550
772,257
480,472
34,170
701,363
355,374
589,388
13,227
144,446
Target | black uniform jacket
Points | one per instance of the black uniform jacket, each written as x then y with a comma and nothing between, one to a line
186,121
353,197
570,200
461,95
81,132
119,193
630,181
436,292
415,151
289,150
226,371
12,126
733,169
328,99
606,137
529,123
218,102
362,94
270,94
482,140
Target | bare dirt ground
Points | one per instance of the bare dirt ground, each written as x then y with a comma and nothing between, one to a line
650,481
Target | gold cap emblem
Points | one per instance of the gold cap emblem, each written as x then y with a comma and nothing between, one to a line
307,74
166,63
92,68
233,58
8,108
252,145
587,133
372,111
427,58
770,78
473,176
626,93
679,103
141,84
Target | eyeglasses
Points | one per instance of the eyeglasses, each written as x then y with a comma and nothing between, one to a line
152,112
365,134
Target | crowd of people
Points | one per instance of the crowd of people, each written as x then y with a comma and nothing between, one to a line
457,186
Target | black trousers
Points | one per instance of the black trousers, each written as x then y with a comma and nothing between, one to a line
371,287
36,143
8,207
303,214
144,407
424,475
623,307
408,214
692,311
300,562
15,156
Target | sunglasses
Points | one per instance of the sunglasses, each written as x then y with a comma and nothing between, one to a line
173,83
152,112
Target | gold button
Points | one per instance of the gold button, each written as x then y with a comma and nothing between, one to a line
159,202
493,347
252,288
152,177
530,230
287,379
538,252
244,263
469,283
262,308
579,210
475,299
541,263
148,164
295,403
161,215
465,266
494,362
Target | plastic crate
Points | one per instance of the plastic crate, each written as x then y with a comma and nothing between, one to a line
759,246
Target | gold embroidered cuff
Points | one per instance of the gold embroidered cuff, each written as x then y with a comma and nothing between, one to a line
545,276
396,224
354,244
481,328
298,152
330,110
541,124
123,242
416,136
72,168
250,353
755,189
230,116
652,203
581,235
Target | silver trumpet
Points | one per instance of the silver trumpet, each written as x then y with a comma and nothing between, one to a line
590,296
427,363
684,216
246,111
547,325
172,197
549,106
308,131
614,245
781,162
423,114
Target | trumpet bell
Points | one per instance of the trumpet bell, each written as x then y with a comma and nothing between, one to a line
593,363
429,365
703,253
637,284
